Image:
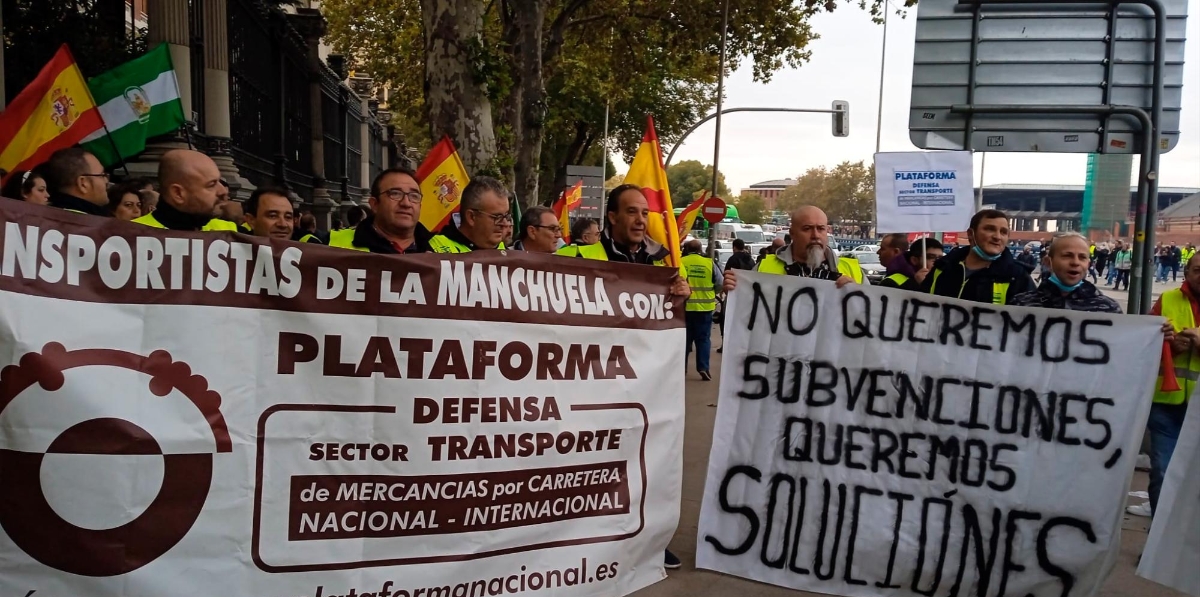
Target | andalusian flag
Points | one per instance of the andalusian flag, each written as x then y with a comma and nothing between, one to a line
138,100
687,217
647,172
570,199
442,177
53,112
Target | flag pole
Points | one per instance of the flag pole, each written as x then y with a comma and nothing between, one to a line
113,143
107,133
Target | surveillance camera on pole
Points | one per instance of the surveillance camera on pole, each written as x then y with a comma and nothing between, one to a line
841,118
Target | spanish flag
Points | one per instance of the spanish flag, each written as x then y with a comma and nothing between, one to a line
571,198
55,111
442,177
648,173
687,217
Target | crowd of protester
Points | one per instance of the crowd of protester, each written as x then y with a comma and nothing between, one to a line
189,194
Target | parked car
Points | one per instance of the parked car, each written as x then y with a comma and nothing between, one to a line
722,257
873,270
865,249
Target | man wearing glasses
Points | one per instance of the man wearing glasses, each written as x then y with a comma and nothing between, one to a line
77,182
484,212
540,231
809,255
396,203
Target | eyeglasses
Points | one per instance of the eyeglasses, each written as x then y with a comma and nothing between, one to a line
557,229
100,175
396,195
504,218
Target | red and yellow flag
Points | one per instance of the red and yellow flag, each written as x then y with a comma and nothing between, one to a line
55,111
687,217
648,173
570,199
442,177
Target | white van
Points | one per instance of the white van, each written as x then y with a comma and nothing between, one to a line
750,233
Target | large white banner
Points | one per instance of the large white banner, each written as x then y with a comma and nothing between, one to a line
1172,554
212,414
924,190
879,442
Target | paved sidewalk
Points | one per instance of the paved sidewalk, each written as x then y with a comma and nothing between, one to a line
688,582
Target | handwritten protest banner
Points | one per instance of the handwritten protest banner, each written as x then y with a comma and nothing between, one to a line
214,414
1173,549
878,442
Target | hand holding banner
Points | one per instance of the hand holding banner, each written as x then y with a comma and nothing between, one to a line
287,420
873,442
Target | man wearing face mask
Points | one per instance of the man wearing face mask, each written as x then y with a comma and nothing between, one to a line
985,271
809,255
1067,287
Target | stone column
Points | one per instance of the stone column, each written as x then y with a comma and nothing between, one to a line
216,98
168,24
311,25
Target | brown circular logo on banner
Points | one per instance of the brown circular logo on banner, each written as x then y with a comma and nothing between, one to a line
32,523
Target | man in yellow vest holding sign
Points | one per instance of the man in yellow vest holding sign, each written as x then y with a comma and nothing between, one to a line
1181,307
809,255
702,279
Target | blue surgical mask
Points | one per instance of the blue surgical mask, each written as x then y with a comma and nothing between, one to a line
984,256
1063,287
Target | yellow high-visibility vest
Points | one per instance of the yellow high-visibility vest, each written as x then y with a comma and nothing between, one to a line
699,269
1178,310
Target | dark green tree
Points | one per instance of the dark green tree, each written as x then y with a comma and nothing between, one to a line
97,32
689,178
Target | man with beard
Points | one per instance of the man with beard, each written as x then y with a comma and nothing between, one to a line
809,255
191,188
985,271
392,229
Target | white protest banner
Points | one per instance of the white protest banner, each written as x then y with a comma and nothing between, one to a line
924,190
1172,552
876,442
203,414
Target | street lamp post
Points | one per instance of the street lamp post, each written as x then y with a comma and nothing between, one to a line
712,246
879,115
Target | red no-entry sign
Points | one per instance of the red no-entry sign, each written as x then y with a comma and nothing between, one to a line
714,210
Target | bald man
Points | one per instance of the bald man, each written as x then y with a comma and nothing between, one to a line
190,187
809,255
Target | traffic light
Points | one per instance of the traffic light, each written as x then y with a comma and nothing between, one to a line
841,118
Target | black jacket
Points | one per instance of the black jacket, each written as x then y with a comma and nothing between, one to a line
740,260
1029,260
646,253
949,278
73,203
1084,298
367,237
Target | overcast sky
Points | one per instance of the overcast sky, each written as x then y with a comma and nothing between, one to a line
845,66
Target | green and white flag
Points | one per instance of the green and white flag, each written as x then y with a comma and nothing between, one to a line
138,100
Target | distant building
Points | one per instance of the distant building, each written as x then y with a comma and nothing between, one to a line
770,190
